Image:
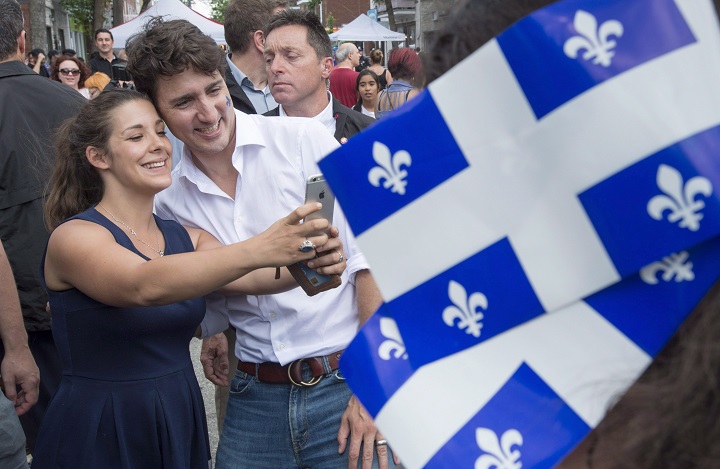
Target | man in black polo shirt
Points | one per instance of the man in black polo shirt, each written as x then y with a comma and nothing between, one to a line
105,57
26,158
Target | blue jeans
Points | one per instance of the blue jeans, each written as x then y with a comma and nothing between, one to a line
12,437
279,426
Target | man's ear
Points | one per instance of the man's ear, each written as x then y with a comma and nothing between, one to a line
21,40
326,66
96,157
258,39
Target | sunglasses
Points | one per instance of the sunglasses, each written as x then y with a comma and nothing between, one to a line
70,71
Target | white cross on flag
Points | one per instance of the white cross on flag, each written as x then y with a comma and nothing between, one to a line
539,221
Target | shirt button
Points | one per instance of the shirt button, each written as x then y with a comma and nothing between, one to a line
282,346
273,315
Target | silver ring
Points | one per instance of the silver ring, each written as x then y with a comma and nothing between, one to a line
306,246
381,443
341,256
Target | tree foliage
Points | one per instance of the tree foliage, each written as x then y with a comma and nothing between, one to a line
218,10
82,13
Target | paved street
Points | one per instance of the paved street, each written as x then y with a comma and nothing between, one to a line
208,391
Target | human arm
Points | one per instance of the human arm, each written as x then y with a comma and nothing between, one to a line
38,63
263,281
85,256
18,367
214,359
368,295
356,424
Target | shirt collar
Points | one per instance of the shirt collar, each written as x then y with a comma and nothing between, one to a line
236,72
247,133
326,116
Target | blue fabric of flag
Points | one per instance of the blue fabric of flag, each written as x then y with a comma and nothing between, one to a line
465,305
650,313
526,407
656,218
384,154
620,207
534,47
375,363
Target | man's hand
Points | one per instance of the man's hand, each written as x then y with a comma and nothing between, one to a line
214,359
357,424
332,258
18,368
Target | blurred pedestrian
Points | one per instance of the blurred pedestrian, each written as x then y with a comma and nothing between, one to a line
406,68
343,76
367,88
70,71
376,65
36,61
96,83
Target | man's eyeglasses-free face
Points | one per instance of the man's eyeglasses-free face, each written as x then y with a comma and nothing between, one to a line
70,71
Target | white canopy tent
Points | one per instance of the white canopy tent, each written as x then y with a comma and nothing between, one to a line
169,10
363,28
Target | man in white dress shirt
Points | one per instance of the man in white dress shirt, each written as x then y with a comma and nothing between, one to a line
289,405
298,59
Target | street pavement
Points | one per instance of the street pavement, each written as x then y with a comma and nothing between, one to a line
208,392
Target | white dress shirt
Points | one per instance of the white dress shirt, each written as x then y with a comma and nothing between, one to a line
326,116
273,157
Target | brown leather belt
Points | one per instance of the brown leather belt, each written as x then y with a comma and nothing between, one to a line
291,373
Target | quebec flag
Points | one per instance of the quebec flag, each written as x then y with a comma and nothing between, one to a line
539,235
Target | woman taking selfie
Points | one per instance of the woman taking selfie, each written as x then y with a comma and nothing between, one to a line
126,291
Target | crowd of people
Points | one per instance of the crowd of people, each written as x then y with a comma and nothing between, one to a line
112,337
103,67
136,259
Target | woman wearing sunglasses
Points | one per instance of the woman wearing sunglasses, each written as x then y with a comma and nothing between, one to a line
72,72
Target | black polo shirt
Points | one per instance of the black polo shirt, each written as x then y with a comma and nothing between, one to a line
26,159
99,64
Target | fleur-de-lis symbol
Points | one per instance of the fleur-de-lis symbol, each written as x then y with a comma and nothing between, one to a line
390,168
501,454
673,266
465,309
679,198
389,330
596,41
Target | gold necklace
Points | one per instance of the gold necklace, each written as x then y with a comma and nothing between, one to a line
157,240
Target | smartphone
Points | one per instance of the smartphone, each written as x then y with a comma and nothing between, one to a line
317,190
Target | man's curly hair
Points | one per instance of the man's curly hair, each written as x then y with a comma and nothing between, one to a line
168,48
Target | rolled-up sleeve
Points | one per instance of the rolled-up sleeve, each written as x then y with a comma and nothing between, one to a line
216,319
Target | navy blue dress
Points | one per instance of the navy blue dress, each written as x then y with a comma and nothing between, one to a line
129,397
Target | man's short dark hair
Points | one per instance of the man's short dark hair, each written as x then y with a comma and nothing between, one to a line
103,30
70,52
11,25
317,37
244,17
36,52
168,48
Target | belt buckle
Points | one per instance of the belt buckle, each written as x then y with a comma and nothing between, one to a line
295,368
